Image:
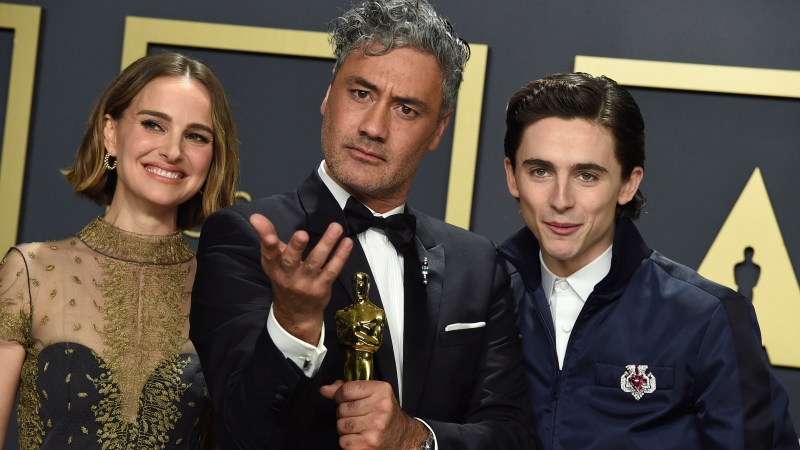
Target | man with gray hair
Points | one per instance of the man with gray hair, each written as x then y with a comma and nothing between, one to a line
272,273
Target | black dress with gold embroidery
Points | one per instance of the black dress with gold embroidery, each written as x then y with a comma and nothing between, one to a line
103,317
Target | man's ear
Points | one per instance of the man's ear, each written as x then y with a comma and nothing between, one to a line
511,180
440,127
630,186
110,135
325,101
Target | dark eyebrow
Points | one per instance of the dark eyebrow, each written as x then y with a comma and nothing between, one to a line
538,162
413,101
168,118
159,114
589,166
580,167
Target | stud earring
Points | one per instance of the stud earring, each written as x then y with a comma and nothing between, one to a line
105,161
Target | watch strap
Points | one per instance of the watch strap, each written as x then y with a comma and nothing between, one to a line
428,443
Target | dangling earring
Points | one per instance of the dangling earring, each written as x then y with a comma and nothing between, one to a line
105,161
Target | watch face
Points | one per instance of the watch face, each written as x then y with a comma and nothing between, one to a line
428,444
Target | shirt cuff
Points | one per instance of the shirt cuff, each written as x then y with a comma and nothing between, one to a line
307,357
435,444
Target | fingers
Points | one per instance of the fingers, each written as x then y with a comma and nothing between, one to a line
293,252
329,390
334,267
271,246
317,257
368,416
289,257
262,225
266,231
357,390
353,391
301,289
358,398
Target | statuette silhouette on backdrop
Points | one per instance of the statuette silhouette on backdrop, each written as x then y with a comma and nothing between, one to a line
360,330
746,274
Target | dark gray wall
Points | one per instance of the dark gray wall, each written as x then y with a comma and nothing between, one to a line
702,148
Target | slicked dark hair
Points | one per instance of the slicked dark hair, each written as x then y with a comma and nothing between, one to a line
599,100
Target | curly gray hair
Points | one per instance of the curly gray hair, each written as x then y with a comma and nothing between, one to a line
378,26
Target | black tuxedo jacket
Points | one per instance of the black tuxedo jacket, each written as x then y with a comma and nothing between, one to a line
468,384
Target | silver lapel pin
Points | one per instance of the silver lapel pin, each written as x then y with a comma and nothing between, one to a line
425,271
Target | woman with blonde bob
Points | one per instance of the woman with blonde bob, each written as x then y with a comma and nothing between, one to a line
94,328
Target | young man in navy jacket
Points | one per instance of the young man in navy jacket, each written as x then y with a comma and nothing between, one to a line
624,348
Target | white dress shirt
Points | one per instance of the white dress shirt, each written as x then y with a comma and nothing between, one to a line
566,296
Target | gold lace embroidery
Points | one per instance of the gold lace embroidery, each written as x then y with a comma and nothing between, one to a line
159,412
13,325
31,428
142,310
111,241
144,292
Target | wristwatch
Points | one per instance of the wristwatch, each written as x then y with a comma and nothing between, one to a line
429,441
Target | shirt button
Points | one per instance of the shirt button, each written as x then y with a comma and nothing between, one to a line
566,328
563,284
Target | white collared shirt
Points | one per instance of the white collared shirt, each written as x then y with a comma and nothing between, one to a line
566,296
386,264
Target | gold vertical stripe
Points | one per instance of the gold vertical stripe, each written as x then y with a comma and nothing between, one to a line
24,20
466,132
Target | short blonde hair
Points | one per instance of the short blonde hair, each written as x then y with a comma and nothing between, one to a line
88,175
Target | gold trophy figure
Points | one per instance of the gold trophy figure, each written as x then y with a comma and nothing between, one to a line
360,331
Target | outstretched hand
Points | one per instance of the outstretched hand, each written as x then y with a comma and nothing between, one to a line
369,417
301,289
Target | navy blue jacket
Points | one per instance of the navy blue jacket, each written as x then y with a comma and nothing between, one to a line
699,340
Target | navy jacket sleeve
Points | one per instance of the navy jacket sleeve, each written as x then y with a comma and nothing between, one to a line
740,403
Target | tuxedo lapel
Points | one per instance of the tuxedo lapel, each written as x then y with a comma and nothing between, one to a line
320,207
421,313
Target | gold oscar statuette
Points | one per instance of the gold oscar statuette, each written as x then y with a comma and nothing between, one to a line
360,330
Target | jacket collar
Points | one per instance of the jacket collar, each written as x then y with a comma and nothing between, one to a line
319,205
629,250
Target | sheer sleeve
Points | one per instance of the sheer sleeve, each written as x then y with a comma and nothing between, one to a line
15,297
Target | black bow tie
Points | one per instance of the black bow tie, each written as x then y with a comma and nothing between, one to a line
399,228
